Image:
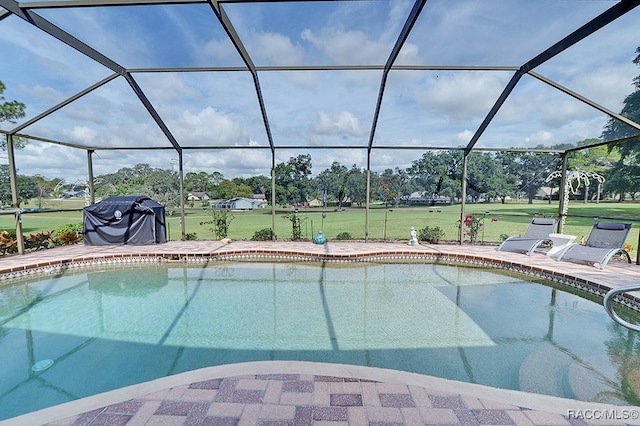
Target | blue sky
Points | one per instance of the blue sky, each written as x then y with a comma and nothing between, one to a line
310,108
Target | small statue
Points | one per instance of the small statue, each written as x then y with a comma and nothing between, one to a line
413,241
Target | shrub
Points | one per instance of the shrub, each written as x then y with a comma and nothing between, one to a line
221,220
190,236
39,241
70,233
67,238
430,234
69,227
296,225
265,234
8,242
472,224
344,236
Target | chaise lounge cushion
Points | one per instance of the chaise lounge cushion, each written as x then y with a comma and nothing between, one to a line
611,226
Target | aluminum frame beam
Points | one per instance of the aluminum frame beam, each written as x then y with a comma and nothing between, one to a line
267,68
235,39
64,103
586,100
78,45
101,3
23,10
402,37
54,31
605,18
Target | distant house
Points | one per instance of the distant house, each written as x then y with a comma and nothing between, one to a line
198,196
316,202
420,198
545,192
69,193
239,203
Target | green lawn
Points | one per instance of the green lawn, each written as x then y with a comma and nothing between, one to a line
499,219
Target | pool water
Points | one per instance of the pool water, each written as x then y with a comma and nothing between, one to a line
81,333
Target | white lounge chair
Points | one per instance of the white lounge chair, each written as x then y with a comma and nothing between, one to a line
537,233
606,239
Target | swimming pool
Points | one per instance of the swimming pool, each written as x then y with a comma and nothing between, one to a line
81,333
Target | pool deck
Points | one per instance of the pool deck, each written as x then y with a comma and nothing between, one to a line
273,393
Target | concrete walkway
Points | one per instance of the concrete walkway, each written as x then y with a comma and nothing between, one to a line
290,393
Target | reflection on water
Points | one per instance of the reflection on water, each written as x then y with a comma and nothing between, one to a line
115,327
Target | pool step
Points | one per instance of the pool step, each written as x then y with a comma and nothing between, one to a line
552,372
590,385
545,372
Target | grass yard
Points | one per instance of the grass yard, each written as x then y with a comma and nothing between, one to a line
384,224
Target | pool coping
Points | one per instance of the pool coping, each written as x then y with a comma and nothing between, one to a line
560,272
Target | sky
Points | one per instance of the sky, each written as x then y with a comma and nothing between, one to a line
329,112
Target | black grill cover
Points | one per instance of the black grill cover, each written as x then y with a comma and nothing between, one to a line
133,219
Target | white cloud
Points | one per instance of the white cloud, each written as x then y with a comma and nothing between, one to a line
348,47
465,136
397,16
83,135
170,90
276,49
541,138
219,50
606,85
45,93
558,114
461,96
208,126
344,123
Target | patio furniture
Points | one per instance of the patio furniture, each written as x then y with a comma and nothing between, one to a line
560,242
606,239
537,233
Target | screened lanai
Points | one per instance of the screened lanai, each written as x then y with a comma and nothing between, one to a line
237,86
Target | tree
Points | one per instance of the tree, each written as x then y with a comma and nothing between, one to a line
428,172
596,159
10,111
531,169
620,181
259,184
333,182
625,171
486,177
392,183
160,184
356,185
615,129
437,173
5,187
44,189
197,182
232,189
28,186
292,180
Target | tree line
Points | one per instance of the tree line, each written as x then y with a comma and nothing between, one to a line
491,176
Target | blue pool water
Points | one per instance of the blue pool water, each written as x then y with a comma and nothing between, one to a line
81,333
